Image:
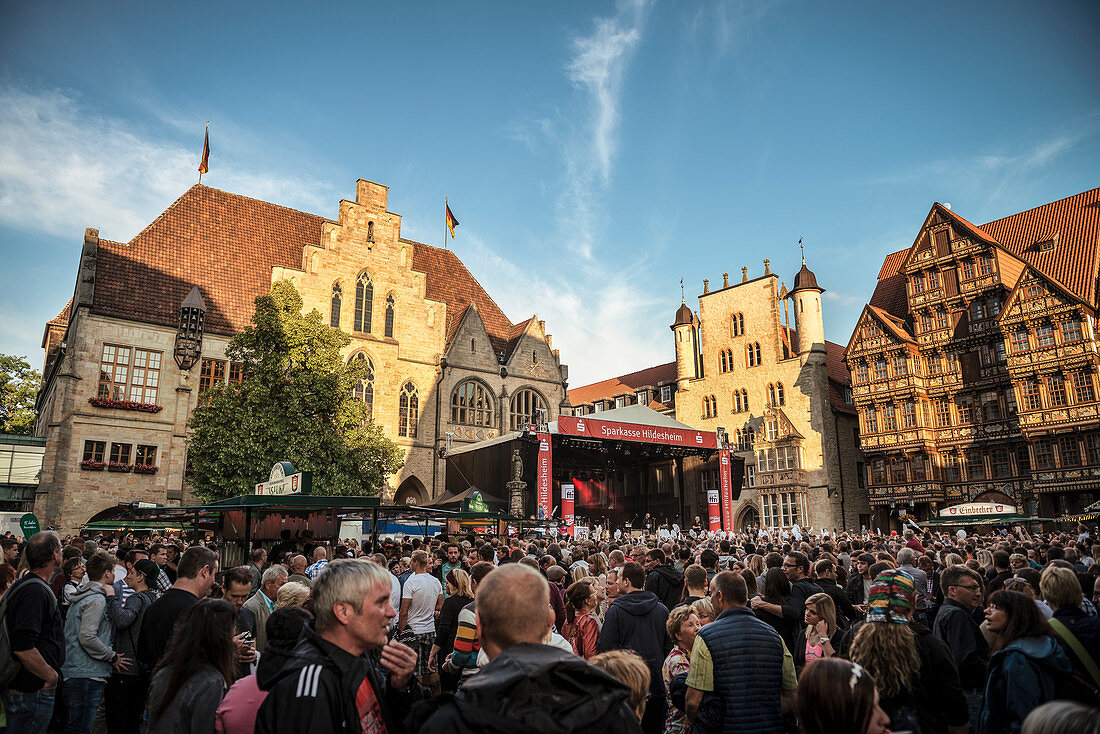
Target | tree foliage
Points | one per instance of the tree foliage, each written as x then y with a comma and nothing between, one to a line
294,404
18,387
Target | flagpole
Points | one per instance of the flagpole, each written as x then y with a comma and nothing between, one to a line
206,141
446,229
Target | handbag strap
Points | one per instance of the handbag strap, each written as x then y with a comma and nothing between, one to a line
1078,649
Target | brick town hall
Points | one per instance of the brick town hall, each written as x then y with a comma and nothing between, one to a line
122,372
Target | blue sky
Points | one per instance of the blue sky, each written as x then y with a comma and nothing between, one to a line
594,152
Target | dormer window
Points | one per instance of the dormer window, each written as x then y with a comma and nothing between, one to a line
1048,244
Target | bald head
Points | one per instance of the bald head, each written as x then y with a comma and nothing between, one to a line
511,606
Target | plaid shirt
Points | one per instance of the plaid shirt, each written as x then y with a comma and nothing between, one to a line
316,568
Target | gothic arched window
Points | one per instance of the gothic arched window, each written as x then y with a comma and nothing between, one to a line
364,302
780,399
364,389
408,411
525,409
389,316
334,318
472,404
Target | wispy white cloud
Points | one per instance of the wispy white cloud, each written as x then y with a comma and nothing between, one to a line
64,167
996,175
720,25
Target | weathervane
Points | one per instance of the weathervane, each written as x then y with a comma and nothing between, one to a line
682,290
803,248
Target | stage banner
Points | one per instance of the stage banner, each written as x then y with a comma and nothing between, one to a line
569,425
567,507
725,484
714,519
543,473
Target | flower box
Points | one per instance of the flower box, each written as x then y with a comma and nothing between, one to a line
118,467
145,468
92,465
125,405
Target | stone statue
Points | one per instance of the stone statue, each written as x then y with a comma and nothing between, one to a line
517,466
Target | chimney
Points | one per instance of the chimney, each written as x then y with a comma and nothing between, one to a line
744,275
725,280
706,286
767,267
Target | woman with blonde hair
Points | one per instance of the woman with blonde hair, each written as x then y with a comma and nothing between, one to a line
446,624
682,627
820,638
704,610
580,573
913,669
629,668
985,560
291,594
755,564
952,559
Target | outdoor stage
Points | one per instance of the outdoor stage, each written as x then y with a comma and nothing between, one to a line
622,464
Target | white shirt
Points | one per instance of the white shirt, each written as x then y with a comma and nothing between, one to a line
395,597
422,590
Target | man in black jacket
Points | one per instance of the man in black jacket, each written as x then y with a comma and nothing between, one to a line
636,621
859,579
797,568
330,684
957,626
825,575
662,579
527,686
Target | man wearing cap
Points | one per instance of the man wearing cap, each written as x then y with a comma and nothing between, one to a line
125,693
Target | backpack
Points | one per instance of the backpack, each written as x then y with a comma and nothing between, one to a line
9,665
1077,686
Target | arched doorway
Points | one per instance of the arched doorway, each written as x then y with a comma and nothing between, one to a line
748,519
411,492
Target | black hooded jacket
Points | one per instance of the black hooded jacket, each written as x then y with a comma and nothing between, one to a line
532,689
315,690
636,622
667,583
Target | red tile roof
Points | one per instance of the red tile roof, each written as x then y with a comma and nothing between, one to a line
609,388
889,294
227,244
62,319
449,281
224,243
838,376
1074,263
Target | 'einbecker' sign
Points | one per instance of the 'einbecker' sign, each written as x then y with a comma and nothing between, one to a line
284,480
978,508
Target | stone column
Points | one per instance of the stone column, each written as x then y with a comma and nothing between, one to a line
516,490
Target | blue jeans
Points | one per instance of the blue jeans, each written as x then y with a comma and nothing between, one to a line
29,713
82,697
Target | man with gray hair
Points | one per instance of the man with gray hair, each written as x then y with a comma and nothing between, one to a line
262,603
907,561
320,560
330,684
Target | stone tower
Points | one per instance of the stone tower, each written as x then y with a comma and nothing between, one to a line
687,350
806,295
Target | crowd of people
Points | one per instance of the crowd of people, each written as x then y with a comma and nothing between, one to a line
863,633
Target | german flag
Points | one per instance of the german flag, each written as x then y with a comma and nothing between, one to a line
451,221
204,165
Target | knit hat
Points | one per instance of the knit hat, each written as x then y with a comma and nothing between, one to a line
891,598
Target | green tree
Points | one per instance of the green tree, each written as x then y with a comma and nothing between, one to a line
18,388
294,404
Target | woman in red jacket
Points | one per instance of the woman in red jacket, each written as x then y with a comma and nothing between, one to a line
582,628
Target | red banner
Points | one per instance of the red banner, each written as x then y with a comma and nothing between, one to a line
569,425
714,517
567,508
542,481
725,484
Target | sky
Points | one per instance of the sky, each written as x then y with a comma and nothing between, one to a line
595,153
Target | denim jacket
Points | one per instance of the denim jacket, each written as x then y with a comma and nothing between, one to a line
88,633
